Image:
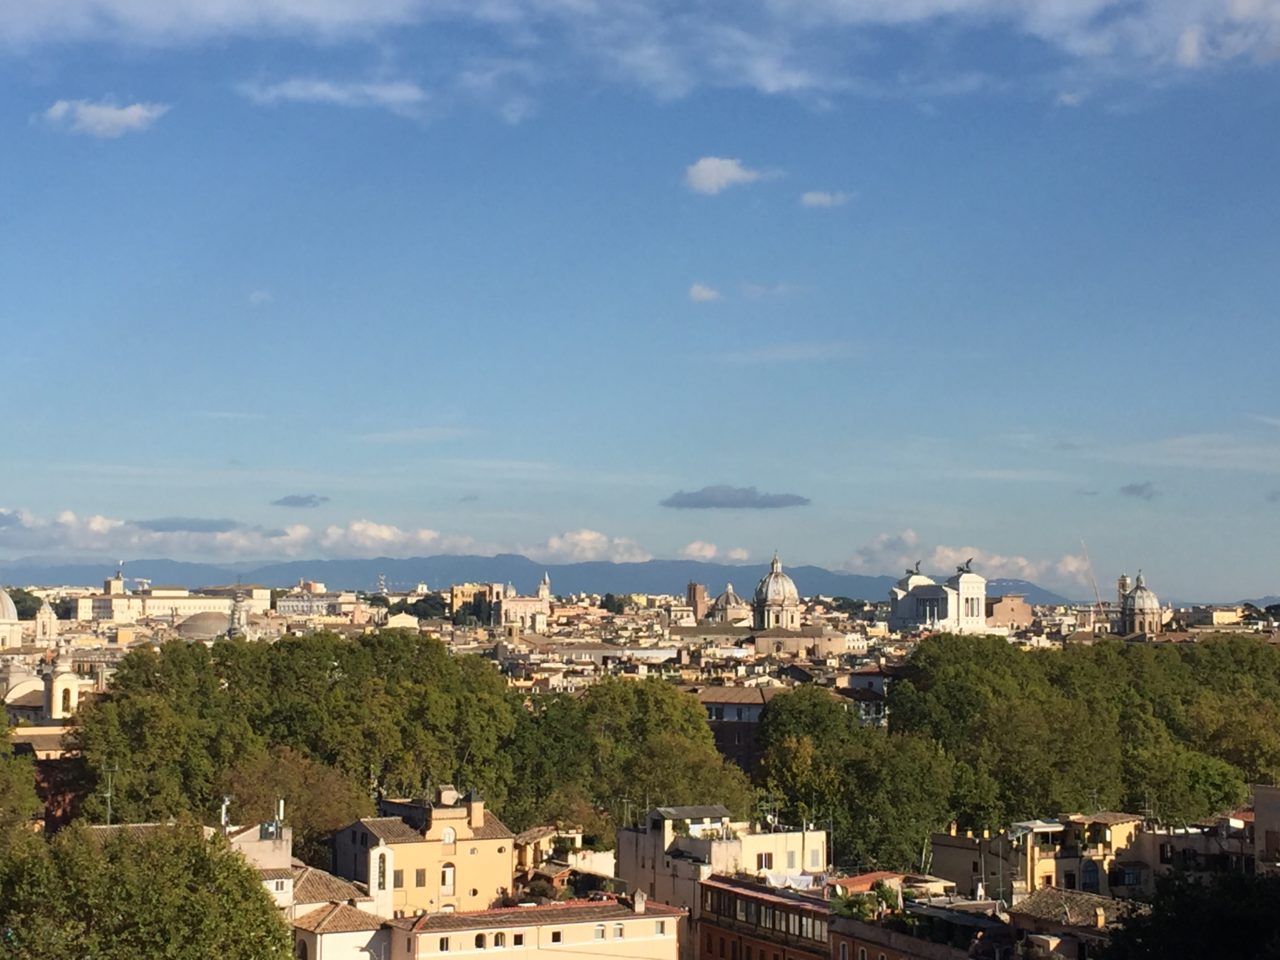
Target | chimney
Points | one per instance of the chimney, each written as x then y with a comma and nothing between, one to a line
446,795
637,901
475,810
280,810
1099,918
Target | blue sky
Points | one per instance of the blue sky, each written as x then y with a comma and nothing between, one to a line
971,278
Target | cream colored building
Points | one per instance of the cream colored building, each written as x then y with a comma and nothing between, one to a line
119,605
586,930
674,848
446,856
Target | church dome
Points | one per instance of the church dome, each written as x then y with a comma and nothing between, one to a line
204,626
1142,599
7,610
728,599
776,586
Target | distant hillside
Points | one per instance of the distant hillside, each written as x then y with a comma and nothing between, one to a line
652,576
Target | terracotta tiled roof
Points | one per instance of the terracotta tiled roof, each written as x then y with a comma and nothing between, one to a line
536,833
338,918
570,911
391,829
1073,908
275,873
493,829
316,886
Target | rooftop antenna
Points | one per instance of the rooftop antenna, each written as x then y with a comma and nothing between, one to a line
111,772
225,816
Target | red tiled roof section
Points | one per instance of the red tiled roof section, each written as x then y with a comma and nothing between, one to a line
570,911
493,829
338,918
316,886
391,829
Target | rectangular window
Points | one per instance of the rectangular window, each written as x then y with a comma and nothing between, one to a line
764,861
444,944
420,878
708,943
791,859
733,950
599,931
518,939
722,946
397,878
555,936
618,931
814,862
660,928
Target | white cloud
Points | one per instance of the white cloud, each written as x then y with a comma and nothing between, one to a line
737,554
259,297
701,293
103,119
710,175
579,546
1069,98
890,553
67,534
790,47
699,550
823,198
399,96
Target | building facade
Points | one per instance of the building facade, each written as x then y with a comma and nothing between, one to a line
447,856
919,603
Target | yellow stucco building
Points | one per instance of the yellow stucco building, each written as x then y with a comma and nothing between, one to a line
443,857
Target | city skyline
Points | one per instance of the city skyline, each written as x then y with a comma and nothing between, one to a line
865,284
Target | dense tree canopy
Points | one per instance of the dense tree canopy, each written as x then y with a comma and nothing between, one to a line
25,602
328,722
168,893
1225,915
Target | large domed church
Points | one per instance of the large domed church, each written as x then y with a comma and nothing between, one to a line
776,605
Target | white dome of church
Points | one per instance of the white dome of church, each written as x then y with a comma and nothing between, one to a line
775,586
7,610
728,599
1142,599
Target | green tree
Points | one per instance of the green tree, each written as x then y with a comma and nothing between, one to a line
25,602
318,798
168,893
1227,915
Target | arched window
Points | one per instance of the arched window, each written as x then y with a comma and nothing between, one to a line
66,700
382,871
450,835
499,939
300,951
446,880
479,941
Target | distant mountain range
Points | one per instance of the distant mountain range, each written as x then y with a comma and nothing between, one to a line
652,576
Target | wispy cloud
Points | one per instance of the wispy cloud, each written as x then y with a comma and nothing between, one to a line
701,293
398,96
103,119
724,497
409,435
1144,490
824,199
711,175
186,525
258,298
300,501
800,351
779,47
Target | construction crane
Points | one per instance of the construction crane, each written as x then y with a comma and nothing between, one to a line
1099,612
